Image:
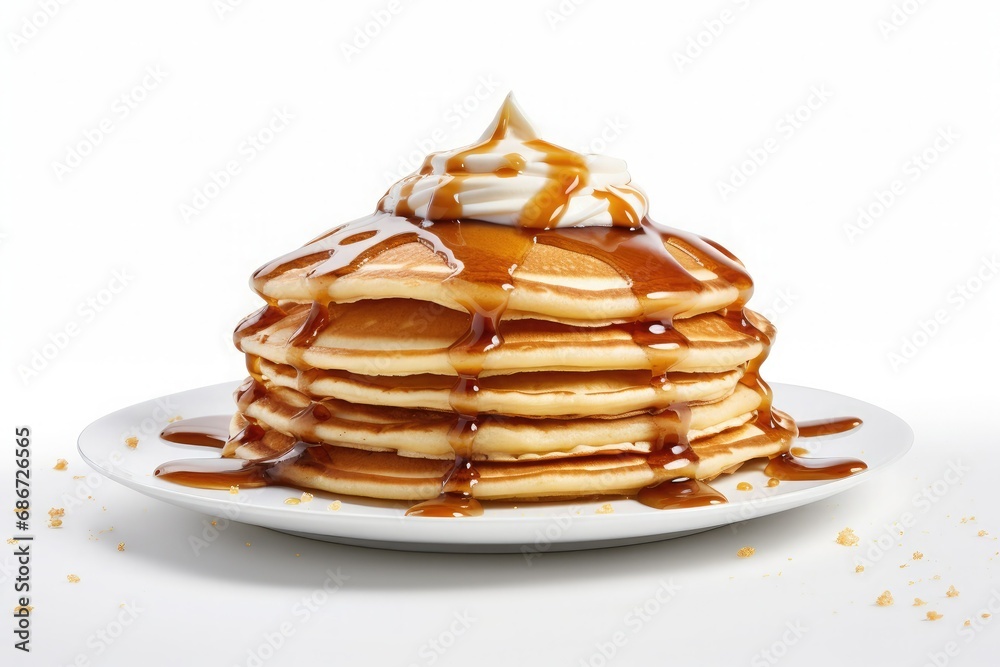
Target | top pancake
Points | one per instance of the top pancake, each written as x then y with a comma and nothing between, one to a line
593,274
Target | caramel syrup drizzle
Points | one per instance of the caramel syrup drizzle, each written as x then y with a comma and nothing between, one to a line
791,466
834,426
568,175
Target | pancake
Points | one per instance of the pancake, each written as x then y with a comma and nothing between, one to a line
342,470
537,394
509,324
427,433
356,339
548,281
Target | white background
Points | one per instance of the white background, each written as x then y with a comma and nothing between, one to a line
885,80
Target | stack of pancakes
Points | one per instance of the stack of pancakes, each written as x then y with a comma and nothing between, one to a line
402,359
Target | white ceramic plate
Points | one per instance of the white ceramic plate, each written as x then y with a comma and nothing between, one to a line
527,528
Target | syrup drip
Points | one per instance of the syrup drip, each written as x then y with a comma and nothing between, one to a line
201,431
256,322
789,467
448,505
252,432
317,320
249,393
680,493
218,473
833,426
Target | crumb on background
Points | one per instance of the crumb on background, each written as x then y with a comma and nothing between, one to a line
606,508
746,552
335,505
54,514
884,600
934,616
952,592
72,578
847,538
131,442
61,464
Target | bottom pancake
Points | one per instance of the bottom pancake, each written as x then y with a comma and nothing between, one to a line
386,475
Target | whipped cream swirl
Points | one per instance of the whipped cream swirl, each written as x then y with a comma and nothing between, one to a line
512,177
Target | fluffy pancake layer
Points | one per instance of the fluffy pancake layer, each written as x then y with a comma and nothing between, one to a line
394,337
379,474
